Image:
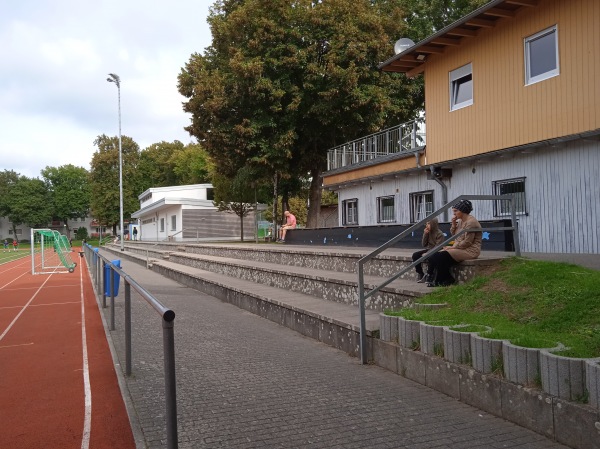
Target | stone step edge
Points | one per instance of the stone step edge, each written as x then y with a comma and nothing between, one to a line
310,273
208,276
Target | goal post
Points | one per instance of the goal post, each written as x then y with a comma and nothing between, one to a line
50,252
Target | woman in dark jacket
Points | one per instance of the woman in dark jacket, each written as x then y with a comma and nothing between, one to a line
466,246
432,236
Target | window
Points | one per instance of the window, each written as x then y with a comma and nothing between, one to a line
461,87
421,205
386,209
350,212
173,222
210,196
541,56
515,186
162,225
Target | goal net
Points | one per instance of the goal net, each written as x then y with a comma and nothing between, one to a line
50,252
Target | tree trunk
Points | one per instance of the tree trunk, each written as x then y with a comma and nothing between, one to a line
275,229
314,210
242,223
14,227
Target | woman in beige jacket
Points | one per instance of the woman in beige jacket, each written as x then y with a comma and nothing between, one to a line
466,246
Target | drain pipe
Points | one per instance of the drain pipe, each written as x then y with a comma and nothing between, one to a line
444,191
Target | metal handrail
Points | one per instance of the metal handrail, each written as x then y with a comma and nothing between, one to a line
99,262
361,286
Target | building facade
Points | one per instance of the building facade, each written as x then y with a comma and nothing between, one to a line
512,106
187,213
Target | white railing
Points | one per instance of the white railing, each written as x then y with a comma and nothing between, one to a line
405,138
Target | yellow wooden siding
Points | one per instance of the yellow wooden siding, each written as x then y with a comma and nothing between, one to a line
506,113
372,171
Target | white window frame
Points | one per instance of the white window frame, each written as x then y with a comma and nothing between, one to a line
386,214
162,225
419,206
457,78
173,222
529,79
505,186
350,212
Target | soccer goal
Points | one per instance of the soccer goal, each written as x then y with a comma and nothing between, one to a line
50,252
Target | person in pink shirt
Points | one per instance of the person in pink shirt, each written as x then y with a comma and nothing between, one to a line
290,223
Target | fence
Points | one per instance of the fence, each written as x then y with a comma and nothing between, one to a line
97,264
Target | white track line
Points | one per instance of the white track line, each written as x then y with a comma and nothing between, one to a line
87,421
23,309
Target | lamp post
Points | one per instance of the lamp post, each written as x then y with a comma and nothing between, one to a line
113,78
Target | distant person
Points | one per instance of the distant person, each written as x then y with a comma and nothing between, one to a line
432,236
134,234
290,223
466,246
15,245
5,245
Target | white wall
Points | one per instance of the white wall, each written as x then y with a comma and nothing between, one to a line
562,191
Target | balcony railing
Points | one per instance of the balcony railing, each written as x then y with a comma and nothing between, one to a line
405,138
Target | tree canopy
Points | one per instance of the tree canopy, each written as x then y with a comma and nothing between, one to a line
283,82
70,192
104,179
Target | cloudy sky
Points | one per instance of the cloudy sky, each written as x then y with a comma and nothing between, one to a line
54,60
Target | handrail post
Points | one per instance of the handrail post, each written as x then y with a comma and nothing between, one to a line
513,217
112,299
361,305
101,287
127,328
170,387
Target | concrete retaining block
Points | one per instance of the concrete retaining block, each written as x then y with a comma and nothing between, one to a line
576,425
521,365
432,339
408,333
487,354
388,328
592,381
563,377
457,346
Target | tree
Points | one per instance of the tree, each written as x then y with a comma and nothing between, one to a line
155,167
191,165
283,82
70,192
104,180
236,196
30,203
428,16
8,178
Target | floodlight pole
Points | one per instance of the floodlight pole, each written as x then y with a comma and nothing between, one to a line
113,78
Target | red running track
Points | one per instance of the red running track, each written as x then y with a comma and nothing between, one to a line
58,386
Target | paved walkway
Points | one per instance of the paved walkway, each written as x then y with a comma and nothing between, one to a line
246,382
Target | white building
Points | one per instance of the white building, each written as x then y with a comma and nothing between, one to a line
187,213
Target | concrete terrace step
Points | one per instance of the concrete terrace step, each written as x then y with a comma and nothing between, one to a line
333,323
330,285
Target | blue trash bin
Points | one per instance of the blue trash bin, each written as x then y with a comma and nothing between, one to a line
107,271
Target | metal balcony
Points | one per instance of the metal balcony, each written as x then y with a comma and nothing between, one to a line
405,138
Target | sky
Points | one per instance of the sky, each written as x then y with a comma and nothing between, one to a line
55,58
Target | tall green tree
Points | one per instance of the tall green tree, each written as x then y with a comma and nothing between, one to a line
104,180
30,203
285,81
171,163
8,178
425,17
237,195
191,165
70,192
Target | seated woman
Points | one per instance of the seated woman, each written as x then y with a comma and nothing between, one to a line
432,236
466,246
